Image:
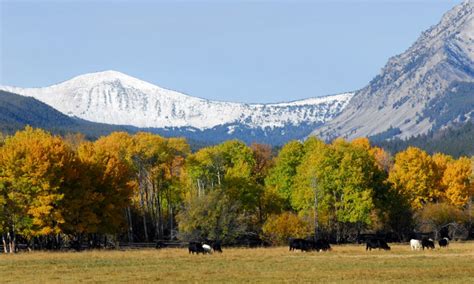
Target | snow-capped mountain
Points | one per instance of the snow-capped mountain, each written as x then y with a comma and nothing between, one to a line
428,87
115,98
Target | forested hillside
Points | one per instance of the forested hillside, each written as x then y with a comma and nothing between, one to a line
57,192
18,111
455,141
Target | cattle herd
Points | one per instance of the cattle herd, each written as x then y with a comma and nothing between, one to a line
427,243
319,245
309,245
206,247
371,243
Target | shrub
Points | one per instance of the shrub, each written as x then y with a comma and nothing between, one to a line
435,216
279,228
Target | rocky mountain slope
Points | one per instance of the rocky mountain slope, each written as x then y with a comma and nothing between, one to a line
428,87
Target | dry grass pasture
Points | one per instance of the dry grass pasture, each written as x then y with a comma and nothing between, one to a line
347,263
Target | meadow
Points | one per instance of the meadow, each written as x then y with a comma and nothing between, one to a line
345,263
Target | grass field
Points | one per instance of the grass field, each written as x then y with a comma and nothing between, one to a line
349,263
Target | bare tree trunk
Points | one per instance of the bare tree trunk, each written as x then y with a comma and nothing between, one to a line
469,208
171,222
29,244
335,217
160,213
150,198
117,244
158,225
5,248
59,241
170,212
154,211
12,242
199,187
142,203
316,217
130,225
260,211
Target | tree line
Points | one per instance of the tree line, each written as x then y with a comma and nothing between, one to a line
455,140
66,191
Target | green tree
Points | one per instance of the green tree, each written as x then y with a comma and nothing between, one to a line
212,216
269,201
281,177
345,178
227,169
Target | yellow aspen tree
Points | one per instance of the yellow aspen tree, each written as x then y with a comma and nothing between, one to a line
456,181
112,178
414,176
441,161
382,158
33,164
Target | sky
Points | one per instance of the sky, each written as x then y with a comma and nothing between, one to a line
242,51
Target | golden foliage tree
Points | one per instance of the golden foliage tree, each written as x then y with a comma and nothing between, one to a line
279,228
112,178
414,176
33,170
456,182
158,164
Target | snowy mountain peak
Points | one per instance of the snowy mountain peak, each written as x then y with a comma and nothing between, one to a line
116,98
106,77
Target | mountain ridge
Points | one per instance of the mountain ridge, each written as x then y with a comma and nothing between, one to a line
400,95
112,97
142,104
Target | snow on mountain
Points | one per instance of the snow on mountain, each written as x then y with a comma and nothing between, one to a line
427,87
116,98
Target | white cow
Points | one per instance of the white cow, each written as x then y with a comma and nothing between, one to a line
207,248
415,244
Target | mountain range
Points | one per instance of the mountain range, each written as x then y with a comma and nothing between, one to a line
115,98
428,87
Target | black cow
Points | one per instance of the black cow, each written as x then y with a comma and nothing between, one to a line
160,245
322,245
196,247
427,243
444,242
303,245
215,245
376,244
309,245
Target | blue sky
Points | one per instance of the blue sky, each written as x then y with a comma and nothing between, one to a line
245,51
